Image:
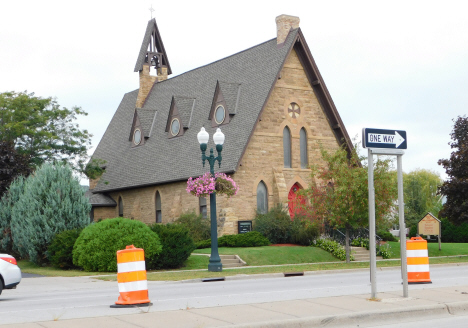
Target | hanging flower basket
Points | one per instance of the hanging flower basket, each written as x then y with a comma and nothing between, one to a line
207,184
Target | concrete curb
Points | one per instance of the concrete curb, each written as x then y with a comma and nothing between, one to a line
356,319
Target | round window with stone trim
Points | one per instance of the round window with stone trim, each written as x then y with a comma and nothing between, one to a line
294,110
220,114
175,127
137,136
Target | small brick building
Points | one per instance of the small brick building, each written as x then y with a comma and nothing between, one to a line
271,103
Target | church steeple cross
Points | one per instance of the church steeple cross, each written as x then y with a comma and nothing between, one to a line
151,10
294,109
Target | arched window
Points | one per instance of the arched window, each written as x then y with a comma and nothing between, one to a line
120,207
287,147
158,208
203,208
303,147
262,198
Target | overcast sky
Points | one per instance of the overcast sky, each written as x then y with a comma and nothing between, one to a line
392,65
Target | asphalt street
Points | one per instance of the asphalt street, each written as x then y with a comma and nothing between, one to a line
40,299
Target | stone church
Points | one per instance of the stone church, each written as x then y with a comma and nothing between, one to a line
271,103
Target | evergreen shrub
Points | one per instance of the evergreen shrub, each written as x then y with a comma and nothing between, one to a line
9,199
177,245
96,247
386,235
60,251
275,225
199,228
452,233
53,201
303,232
249,239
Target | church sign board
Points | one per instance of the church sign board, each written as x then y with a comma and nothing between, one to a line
430,225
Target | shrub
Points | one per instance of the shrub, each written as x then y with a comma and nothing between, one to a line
96,247
9,199
452,233
385,251
204,243
53,201
177,245
303,232
249,239
199,228
332,247
360,242
60,251
386,235
275,225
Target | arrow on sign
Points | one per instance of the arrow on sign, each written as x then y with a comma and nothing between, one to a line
381,138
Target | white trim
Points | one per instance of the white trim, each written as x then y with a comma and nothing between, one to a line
418,268
133,286
152,124
170,127
417,253
131,266
224,117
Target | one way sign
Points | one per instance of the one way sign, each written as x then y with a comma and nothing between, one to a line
379,138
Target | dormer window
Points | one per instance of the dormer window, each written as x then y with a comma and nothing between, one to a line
175,127
137,137
180,116
220,114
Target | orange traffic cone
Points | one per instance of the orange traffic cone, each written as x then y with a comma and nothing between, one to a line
417,260
131,276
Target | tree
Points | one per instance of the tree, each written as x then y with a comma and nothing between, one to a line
42,130
456,187
420,194
53,201
12,165
340,194
9,199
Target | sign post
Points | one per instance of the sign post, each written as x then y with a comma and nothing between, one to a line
385,142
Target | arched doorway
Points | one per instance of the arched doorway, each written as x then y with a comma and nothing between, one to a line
295,201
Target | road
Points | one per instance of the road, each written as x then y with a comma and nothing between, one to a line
40,299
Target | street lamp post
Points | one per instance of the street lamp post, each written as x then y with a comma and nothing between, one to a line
218,138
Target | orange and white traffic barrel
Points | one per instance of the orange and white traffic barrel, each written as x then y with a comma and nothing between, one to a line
417,261
131,277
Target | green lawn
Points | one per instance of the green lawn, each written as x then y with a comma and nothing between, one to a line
448,249
286,259
271,255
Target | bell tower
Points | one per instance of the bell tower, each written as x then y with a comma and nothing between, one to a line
152,63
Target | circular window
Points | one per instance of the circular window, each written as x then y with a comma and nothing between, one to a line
175,127
137,137
294,110
220,114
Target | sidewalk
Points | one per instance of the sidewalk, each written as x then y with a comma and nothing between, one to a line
341,311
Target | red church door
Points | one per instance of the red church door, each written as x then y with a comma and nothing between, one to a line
295,201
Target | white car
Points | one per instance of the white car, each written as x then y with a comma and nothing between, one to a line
10,273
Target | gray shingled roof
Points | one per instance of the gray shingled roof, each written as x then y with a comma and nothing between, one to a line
98,199
162,159
231,93
146,117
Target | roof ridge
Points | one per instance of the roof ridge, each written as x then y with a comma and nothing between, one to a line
216,61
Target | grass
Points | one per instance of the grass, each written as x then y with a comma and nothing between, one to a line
274,255
271,259
49,271
447,249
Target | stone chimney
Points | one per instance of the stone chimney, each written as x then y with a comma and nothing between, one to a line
284,23
146,83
